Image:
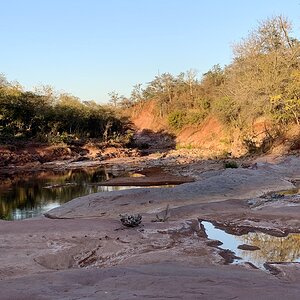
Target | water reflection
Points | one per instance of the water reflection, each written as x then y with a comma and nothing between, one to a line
30,197
272,249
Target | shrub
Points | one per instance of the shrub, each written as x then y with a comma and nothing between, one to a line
176,119
196,117
230,164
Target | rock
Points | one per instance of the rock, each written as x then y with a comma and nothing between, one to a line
248,247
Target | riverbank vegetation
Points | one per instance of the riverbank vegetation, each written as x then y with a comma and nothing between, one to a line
47,116
261,83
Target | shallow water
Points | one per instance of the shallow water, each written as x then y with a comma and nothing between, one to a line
294,191
32,196
272,248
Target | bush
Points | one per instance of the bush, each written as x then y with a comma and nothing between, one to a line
176,119
196,117
31,116
230,164
227,110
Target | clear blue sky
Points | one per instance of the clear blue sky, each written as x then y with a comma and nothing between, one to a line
92,47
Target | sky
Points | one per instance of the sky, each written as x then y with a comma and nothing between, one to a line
90,48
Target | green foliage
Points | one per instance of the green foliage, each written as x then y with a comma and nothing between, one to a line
55,119
195,118
285,111
263,80
176,119
231,164
188,146
227,110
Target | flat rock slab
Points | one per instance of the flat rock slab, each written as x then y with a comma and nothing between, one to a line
228,184
155,281
83,252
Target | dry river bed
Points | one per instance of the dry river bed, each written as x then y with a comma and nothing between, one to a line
81,250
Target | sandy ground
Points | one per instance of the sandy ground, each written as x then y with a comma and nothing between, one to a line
81,250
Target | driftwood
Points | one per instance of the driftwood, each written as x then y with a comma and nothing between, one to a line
165,216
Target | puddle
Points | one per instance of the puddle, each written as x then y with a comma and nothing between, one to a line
295,191
272,249
34,195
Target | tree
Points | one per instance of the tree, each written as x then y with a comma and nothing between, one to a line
191,80
261,76
114,98
137,93
272,35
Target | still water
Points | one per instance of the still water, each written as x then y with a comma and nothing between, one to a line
32,196
272,248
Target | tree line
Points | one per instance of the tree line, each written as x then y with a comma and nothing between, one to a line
47,116
263,80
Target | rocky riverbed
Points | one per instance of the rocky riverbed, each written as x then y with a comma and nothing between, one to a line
81,250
